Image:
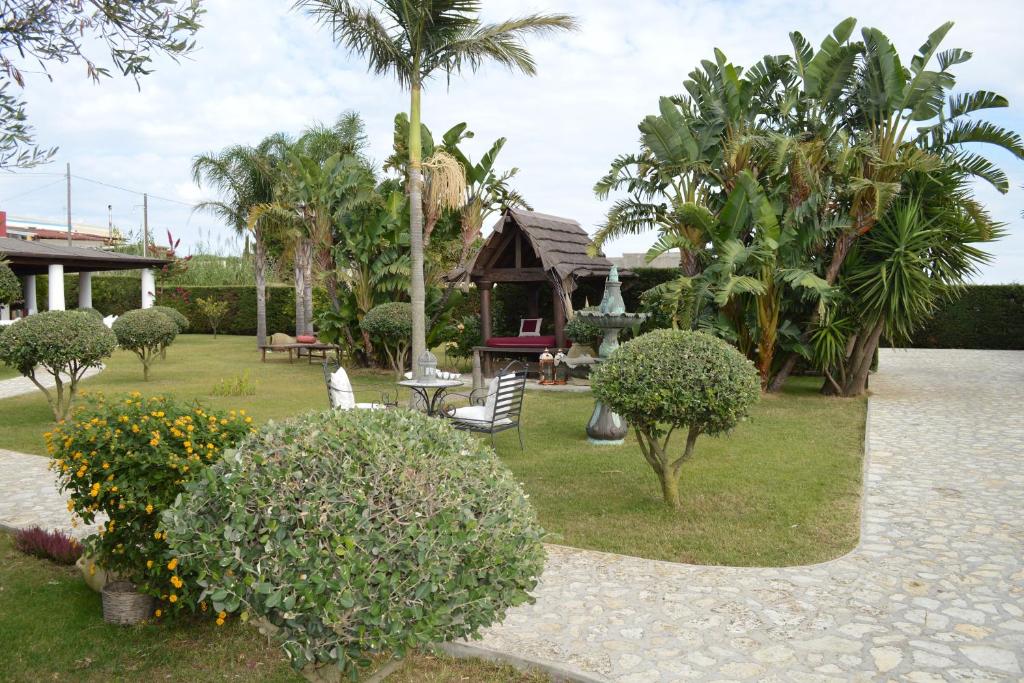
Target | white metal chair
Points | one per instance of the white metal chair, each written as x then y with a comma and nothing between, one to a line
340,394
501,408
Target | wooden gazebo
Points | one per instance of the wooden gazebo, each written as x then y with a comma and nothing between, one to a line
527,247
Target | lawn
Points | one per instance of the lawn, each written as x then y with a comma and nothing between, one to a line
782,489
7,372
52,629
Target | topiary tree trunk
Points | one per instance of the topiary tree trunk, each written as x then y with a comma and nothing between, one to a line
665,466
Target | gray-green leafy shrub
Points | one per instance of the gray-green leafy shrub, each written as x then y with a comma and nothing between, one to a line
390,325
10,287
62,344
90,311
669,379
145,332
358,532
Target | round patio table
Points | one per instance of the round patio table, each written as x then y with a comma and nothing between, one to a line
431,390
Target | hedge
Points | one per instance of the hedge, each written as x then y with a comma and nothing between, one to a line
117,295
982,317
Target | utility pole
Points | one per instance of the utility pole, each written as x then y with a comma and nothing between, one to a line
145,225
68,177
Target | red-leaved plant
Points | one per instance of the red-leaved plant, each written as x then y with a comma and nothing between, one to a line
49,545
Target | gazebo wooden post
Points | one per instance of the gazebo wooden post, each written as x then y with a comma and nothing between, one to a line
558,310
485,319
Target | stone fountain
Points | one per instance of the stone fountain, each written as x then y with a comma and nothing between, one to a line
606,427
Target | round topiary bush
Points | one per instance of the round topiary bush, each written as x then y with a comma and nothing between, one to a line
670,379
176,316
10,287
90,311
145,332
359,532
390,325
62,344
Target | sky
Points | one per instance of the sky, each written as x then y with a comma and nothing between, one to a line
261,68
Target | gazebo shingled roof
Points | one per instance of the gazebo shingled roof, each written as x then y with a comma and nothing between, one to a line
32,258
560,244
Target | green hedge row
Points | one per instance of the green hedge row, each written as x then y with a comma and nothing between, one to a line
116,295
982,317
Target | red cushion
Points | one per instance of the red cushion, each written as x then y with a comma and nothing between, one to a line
539,342
305,339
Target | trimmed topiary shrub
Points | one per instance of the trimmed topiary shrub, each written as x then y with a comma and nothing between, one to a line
10,286
179,320
145,332
128,459
90,311
62,344
669,379
390,325
351,533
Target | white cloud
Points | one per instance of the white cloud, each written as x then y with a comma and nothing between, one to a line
262,68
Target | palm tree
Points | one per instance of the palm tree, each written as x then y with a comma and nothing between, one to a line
245,178
414,40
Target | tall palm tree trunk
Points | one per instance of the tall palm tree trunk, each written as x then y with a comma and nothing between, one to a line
260,268
416,286
307,287
300,288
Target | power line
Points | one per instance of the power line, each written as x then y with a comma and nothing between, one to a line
28,192
95,181
125,189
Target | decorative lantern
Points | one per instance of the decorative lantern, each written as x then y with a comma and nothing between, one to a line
561,368
547,368
427,365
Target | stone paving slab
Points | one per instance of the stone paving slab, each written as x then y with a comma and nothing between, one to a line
934,591
29,496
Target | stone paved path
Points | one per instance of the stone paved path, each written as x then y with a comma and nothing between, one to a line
934,592
23,385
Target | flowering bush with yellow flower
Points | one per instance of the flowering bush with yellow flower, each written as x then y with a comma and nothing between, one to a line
127,459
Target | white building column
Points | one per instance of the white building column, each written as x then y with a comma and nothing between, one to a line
148,288
55,290
28,288
5,312
85,289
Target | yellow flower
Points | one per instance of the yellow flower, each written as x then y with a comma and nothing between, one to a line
173,598
106,465
156,535
149,564
176,582
172,564
71,506
149,509
154,441
248,419
157,613
220,621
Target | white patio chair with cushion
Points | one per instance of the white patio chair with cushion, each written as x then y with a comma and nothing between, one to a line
501,407
340,394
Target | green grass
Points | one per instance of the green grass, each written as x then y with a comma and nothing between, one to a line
52,629
7,372
782,489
